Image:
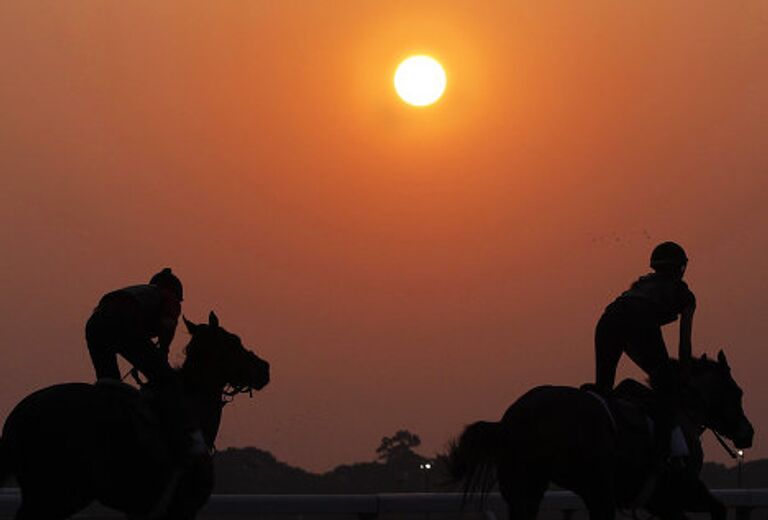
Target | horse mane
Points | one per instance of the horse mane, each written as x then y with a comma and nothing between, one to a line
197,353
201,355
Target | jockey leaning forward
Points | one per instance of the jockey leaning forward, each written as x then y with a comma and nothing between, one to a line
632,323
125,322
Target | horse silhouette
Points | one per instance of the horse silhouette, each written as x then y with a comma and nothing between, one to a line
567,436
74,443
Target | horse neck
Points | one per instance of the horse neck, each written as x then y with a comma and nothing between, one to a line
204,402
695,402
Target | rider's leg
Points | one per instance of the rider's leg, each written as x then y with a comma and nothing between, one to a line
100,348
609,345
181,423
667,381
648,350
144,355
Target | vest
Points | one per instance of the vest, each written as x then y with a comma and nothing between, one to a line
664,296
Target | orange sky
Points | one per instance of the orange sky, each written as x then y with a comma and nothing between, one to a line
400,268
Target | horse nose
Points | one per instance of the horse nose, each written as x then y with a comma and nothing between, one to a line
262,375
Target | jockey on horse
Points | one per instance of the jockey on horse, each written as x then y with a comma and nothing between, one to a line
125,322
632,324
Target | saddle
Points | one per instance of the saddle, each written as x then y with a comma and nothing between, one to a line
629,398
129,408
629,406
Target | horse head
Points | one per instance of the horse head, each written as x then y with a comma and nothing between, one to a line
218,358
720,399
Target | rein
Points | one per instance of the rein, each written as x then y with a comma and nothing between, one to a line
700,405
730,451
227,395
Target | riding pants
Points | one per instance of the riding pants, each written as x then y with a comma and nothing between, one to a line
108,335
627,329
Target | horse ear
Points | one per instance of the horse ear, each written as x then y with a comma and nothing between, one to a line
213,320
191,327
721,359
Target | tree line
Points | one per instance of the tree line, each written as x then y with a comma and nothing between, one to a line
397,468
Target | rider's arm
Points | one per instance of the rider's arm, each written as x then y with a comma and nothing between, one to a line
168,321
165,337
686,328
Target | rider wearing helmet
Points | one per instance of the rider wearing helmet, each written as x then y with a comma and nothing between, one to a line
126,321
632,323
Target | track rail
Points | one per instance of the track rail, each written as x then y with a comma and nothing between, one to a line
367,507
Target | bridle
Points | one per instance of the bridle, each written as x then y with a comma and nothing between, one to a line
231,391
703,412
227,395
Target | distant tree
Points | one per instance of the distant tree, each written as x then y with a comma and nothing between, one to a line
399,448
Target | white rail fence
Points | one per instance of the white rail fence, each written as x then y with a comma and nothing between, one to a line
367,507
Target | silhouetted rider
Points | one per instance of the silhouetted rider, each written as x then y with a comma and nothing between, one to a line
632,323
126,322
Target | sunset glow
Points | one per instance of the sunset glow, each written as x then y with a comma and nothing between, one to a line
416,211
420,80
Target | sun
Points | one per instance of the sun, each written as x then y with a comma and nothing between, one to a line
420,80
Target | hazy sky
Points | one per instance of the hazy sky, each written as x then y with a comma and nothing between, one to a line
399,267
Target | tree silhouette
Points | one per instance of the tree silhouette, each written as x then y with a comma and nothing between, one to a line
399,448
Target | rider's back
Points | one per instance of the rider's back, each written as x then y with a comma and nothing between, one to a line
659,296
139,308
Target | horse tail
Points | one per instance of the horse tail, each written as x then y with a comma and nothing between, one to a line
474,457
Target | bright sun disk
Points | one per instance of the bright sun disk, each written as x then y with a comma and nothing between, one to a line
420,80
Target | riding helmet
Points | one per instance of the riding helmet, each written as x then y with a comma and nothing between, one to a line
668,254
167,280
